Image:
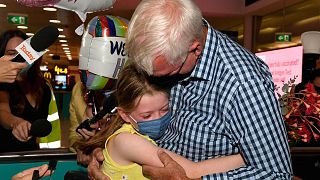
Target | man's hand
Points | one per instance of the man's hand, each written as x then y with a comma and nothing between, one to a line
27,174
94,171
9,70
82,158
171,169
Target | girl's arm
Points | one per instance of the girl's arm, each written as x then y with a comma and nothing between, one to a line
127,148
210,166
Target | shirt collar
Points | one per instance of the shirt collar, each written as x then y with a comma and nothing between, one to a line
201,68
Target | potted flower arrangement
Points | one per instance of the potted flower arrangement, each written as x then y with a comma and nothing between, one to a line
301,113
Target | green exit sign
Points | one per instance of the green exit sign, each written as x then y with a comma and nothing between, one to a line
16,19
283,37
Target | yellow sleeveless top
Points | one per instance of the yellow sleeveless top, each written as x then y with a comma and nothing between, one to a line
116,171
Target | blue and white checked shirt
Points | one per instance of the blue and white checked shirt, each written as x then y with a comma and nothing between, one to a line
228,106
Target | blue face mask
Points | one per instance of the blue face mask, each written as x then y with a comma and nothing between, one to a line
154,128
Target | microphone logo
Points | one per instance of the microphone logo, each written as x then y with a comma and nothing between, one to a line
28,53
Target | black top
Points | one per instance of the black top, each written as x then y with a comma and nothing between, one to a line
8,143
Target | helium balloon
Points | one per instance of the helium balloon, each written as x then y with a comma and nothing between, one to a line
310,41
81,7
102,51
37,3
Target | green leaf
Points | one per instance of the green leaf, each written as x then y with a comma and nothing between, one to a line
285,88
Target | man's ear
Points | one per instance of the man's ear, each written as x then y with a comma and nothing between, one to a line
123,114
196,47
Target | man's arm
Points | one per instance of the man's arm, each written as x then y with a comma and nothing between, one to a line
94,171
256,124
171,169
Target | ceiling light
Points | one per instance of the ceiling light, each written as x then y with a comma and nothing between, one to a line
60,29
65,48
3,5
268,30
62,40
62,36
22,27
69,58
67,51
54,21
306,21
50,54
64,45
29,34
49,9
44,68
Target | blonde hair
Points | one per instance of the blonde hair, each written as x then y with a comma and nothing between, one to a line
162,27
132,84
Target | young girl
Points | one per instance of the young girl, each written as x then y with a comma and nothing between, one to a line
143,113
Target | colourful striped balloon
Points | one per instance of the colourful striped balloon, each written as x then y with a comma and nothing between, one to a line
96,82
108,26
104,26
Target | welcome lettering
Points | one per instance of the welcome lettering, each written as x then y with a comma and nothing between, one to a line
117,47
119,66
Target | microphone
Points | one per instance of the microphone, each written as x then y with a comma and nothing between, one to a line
34,47
108,107
40,128
52,165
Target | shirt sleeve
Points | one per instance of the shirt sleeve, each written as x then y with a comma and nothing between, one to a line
257,127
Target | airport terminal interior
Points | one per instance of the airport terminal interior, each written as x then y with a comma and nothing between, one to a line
268,28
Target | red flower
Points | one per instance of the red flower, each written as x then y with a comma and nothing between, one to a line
301,113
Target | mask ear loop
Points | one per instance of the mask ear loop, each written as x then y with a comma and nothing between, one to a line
135,124
114,110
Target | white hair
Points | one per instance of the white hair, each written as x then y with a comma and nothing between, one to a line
162,27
